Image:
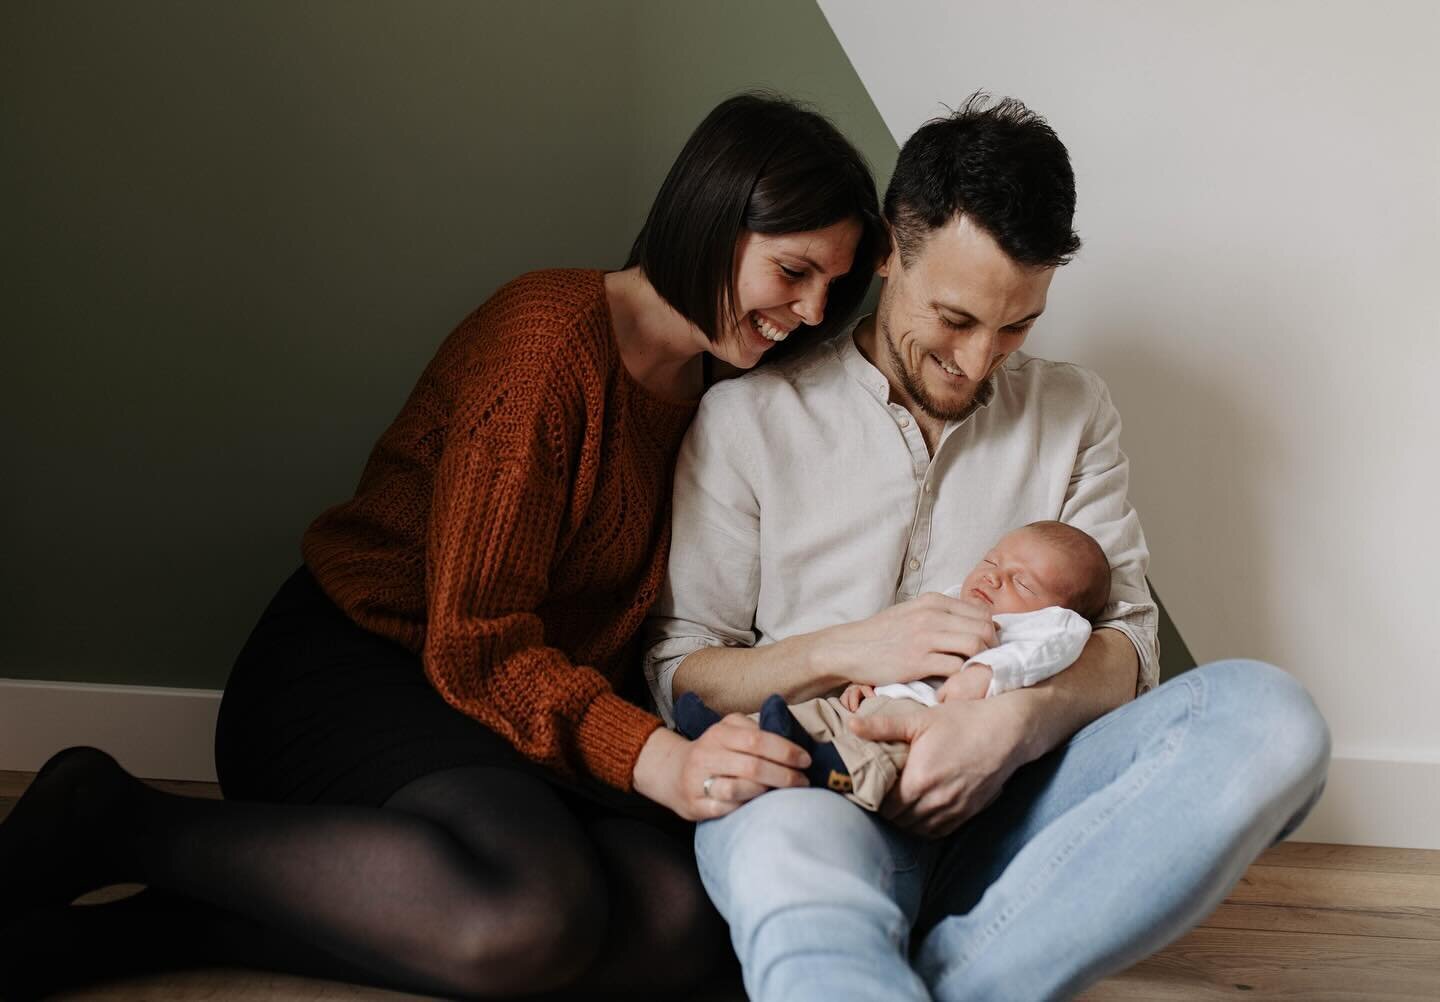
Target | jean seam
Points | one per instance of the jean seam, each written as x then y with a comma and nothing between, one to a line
1194,707
897,933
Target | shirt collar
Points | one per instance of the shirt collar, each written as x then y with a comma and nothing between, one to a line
859,367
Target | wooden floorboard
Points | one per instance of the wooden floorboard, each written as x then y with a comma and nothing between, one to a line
1307,922
13,784
221,985
1341,922
1373,859
1227,963
1320,888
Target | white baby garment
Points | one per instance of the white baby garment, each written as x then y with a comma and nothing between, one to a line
1032,647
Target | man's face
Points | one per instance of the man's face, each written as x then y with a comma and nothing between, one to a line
1022,573
949,320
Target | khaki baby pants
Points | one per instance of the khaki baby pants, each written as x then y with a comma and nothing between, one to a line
874,765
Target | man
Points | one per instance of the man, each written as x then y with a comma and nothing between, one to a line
821,504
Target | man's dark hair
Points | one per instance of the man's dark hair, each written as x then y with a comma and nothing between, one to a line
999,164
763,163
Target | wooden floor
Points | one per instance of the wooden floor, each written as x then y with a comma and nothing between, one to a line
1312,923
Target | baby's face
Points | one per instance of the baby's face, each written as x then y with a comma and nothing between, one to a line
1021,573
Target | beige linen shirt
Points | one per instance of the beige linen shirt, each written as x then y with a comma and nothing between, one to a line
805,498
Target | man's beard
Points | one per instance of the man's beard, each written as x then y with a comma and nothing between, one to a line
914,386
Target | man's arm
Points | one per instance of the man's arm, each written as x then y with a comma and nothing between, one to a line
1102,679
706,606
963,751
738,679
1097,501
930,635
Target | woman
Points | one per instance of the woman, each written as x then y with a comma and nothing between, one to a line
430,766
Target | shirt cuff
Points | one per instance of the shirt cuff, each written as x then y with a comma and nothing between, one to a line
1141,625
661,662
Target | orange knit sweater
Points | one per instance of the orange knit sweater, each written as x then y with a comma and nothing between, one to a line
512,525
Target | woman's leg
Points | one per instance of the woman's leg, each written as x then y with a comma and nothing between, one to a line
472,881
660,935
59,949
480,881
665,937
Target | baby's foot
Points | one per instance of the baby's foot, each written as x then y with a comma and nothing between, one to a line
827,768
692,717
48,853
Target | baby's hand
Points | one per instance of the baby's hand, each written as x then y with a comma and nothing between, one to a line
854,693
972,682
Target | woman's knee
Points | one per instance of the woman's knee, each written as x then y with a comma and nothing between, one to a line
536,910
540,932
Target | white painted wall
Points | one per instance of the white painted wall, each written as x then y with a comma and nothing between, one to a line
1260,202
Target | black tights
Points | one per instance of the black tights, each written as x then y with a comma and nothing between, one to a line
470,882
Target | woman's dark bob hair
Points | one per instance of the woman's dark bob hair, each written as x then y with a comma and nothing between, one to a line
763,163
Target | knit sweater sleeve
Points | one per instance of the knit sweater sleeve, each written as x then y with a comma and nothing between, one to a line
500,493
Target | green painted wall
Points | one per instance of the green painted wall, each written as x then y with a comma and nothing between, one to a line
234,233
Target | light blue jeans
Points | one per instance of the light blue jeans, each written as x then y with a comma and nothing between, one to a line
1092,858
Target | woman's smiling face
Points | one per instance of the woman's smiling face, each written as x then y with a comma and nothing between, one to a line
782,281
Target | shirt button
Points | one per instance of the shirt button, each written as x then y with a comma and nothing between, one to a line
914,564
904,422
929,488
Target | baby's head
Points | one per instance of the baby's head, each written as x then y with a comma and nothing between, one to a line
1040,565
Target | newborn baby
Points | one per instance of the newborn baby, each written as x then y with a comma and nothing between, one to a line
1044,584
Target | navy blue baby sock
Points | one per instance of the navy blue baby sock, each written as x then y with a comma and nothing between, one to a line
693,718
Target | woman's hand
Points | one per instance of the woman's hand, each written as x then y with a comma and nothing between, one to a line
734,761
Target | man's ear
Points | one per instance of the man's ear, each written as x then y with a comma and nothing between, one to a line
891,261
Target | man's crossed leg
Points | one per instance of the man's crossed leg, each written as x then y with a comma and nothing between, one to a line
1094,856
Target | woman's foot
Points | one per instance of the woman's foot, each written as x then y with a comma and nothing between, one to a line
50,852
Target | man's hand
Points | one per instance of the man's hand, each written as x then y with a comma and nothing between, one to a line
961,753
931,634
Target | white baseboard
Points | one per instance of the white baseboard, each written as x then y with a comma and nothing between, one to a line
1375,801
157,733
169,734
